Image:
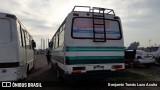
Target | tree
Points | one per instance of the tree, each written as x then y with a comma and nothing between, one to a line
134,45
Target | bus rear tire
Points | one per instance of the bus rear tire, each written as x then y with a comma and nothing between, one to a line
24,76
59,74
52,66
147,66
27,69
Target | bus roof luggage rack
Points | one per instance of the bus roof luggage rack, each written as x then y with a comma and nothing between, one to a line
106,11
74,9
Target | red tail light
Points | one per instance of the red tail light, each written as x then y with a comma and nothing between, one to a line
117,67
76,72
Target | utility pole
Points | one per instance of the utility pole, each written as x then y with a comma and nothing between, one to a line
150,43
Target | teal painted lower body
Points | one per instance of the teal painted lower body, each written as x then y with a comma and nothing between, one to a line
95,59
71,60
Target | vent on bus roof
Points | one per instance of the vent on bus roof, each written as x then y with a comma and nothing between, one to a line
11,16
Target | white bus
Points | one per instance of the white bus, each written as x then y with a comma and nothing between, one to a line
16,49
88,44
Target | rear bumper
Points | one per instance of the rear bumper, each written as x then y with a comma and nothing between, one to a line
10,74
104,74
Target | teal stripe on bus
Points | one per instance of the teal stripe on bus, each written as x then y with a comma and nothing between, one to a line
93,57
70,60
87,48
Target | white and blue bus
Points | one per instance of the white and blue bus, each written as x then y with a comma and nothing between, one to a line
16,49
88,44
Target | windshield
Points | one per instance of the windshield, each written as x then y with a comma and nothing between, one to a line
83,28
4,31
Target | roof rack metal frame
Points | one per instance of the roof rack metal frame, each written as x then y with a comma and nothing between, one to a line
83,7
107,11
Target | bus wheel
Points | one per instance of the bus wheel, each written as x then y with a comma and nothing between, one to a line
57,70
134,65
24,76
27,69
33,66
53,66
147,66
59,74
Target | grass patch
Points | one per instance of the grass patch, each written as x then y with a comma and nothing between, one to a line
150,75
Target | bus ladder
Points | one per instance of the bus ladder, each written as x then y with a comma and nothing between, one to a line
99,36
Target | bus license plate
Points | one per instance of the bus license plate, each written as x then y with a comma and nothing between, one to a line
98,67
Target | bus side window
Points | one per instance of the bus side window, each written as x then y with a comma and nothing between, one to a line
19,35
61,38
23,38
54,42
57,40
27,41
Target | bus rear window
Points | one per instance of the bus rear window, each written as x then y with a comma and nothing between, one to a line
5,33
83,28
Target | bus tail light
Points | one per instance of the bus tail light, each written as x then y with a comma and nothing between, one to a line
78,70
117,67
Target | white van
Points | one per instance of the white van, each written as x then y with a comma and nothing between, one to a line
155,51
143,58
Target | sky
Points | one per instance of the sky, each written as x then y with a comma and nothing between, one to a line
140,18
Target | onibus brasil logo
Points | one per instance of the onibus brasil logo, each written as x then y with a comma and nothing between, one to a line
14,84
